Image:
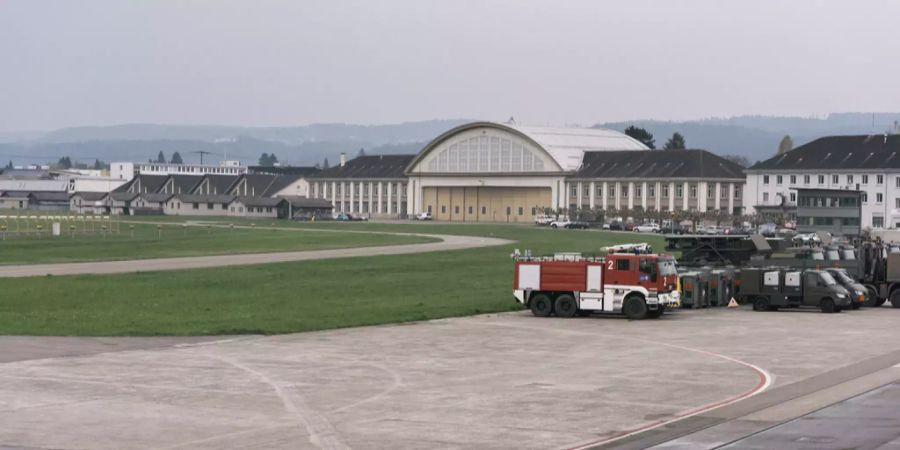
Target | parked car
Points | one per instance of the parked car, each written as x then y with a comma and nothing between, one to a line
647,228
577,224
616,226
424,216
344,217
629,226
560,223
669,227
543,219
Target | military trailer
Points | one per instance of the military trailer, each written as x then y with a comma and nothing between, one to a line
769,289
693,293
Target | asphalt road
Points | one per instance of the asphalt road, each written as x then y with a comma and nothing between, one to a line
446,242
493,381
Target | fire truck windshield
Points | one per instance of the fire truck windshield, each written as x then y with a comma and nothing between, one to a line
667,267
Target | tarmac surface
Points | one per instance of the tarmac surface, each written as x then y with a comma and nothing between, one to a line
492,381
447,242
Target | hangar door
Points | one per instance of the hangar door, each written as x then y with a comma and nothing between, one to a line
485,204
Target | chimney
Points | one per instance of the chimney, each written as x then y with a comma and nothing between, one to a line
343,159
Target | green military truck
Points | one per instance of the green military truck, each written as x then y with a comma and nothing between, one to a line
769,289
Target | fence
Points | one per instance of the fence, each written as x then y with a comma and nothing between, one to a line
48,226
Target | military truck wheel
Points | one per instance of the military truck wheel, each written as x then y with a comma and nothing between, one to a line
565,306
895,298
635,308
761,304
871,298
827,306
541,305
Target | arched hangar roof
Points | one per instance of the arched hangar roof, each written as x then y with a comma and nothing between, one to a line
566,146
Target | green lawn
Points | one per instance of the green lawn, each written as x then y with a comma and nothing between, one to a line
290,297
149,241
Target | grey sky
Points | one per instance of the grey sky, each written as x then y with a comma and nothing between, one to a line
260,63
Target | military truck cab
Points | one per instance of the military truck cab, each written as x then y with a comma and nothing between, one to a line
774,288
857,291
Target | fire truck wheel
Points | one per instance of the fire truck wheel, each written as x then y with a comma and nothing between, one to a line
895,298
761,304
565,306
541,305
827,305
635,308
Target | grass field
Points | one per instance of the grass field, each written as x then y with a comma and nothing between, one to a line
290,297
148,241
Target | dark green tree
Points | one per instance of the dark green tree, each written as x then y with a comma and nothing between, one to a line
176,158
273,159
64,163
325,164
264,160
786,145
10,165
160,158
362,152
676,142
642,135
100,165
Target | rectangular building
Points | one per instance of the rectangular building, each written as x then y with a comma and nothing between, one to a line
835,211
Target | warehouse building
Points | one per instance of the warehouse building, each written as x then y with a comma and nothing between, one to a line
493,172
669,180
867,163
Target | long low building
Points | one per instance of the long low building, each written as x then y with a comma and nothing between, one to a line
493,172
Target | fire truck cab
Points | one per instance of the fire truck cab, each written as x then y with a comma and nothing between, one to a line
636,285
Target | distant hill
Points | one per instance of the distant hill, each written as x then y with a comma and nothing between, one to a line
754,137
757,137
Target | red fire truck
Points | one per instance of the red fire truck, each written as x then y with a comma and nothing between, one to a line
636,285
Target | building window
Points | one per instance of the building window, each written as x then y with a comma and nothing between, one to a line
612,191
879,179
665,191
679,192
508,211
483,210
737,192
521,211
765,179
574,191
711,191
209,206
865,179
865,197
765,198
651,191
587,191
599,191
834,179
533,211
638,191
456,209
625,193
849,179
443,209
470,210
805,179
877,222
793,179
879,198
821,179
429,209
693,191
897,203
793,197
778,180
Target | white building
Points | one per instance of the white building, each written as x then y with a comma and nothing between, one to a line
870,164
127,170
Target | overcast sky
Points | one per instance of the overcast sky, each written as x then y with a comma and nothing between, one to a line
293,62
